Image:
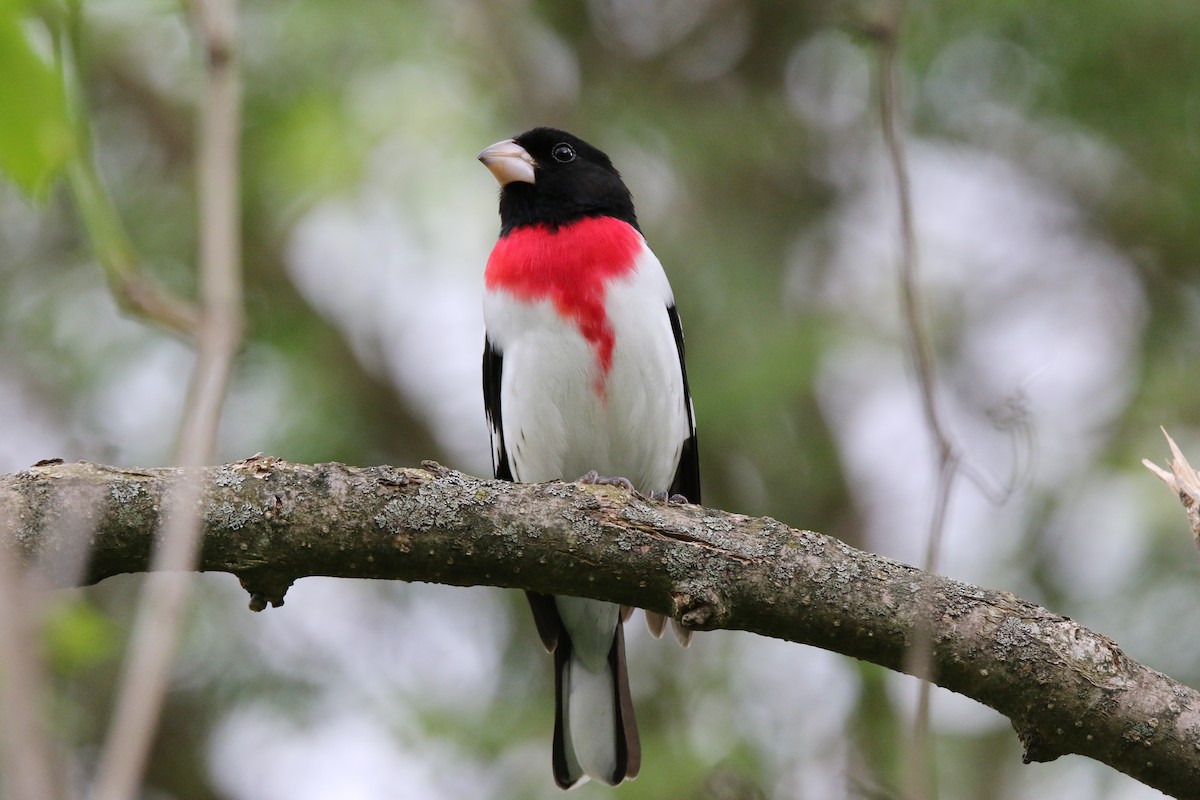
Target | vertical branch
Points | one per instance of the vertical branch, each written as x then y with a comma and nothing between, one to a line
25,769
920,351
32,757
919,347
157,628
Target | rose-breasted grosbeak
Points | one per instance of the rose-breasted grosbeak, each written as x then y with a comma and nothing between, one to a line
583,372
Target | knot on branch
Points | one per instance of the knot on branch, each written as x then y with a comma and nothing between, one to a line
698,607
1038,747
265,588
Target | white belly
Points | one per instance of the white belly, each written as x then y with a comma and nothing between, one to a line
563,416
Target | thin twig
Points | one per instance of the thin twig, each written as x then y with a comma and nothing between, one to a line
25,769
32,758
135,291
920,350
1184,481
164,598
910,300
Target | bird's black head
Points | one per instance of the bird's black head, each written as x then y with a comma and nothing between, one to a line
550,177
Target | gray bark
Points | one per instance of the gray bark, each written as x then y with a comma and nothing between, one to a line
1065,688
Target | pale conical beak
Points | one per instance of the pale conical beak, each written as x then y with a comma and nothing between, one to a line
508,162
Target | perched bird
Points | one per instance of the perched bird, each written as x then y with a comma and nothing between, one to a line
583,375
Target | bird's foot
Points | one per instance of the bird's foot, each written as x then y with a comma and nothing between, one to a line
663,497
596,479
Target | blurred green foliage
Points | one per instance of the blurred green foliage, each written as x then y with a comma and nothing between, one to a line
78,637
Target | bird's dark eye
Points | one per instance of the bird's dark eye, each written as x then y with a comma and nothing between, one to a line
563,153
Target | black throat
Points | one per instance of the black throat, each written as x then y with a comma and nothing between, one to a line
552,206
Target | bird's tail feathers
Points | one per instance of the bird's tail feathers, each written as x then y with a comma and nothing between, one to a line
657,623
595,733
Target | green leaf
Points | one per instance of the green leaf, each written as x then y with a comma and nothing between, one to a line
78,636
36,137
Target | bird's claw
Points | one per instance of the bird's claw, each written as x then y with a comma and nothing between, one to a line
596,479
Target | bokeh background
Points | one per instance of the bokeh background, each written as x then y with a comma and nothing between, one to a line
1055,159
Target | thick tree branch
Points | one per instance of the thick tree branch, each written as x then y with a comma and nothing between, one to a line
1065,688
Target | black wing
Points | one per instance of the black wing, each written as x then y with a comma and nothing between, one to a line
493,368
687,474
545,613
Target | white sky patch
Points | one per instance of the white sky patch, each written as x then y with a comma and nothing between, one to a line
380,658
642,28
257,755
792,702
1025,305
369,643
30,432
135,410
404,281
1096,539
827,81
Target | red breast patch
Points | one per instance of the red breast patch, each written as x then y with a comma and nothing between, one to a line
571,266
